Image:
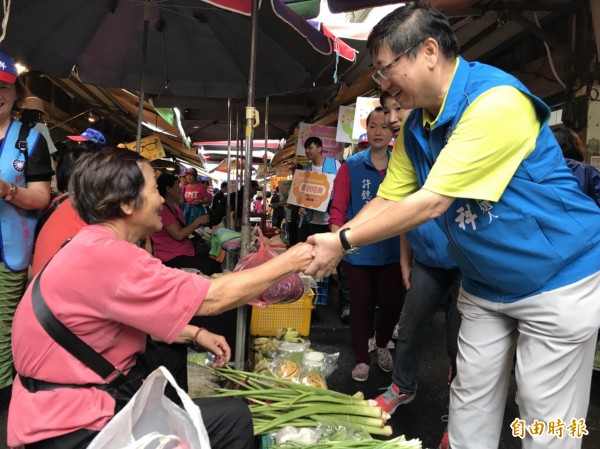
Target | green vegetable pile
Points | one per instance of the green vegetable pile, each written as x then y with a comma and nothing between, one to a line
396,443
276,403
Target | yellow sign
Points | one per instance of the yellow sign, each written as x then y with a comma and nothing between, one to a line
274,180
311,190
150,147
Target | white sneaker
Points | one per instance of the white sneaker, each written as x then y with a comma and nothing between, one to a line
371,344
396,331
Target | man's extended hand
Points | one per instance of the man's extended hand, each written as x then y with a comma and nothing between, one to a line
327,253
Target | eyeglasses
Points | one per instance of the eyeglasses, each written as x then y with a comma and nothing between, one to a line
150,146
384,73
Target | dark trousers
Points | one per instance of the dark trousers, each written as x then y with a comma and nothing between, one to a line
206,265
308,229
363,280
227,420
171,356
429,287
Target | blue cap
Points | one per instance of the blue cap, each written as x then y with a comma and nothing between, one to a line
90,135
8,69
363,138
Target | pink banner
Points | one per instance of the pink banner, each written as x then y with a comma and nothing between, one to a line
327,134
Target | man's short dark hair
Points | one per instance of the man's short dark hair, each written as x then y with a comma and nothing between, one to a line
377,109
224,185
384,95
105,179
410,25
308,142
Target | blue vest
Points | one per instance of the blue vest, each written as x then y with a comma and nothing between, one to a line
364,183
17,226
542,234
329,167
430,246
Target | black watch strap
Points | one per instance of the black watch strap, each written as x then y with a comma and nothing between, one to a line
344,240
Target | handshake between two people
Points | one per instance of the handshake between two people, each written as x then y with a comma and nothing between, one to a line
319,256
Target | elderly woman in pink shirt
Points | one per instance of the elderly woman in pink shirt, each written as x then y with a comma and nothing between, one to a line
110,293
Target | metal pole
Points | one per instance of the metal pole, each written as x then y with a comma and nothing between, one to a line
228,202
238,170
138,136
266,119
240,341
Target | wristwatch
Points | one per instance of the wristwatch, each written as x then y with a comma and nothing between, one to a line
348,248
11,192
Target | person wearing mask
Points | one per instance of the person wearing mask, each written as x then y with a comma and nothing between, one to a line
60,402
25,174
376,267
477,156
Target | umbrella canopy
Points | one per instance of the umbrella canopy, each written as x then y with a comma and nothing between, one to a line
194,47
337,6
207,118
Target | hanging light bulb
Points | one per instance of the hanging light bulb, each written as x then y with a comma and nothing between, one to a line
92,118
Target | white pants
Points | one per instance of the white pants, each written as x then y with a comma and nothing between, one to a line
554,334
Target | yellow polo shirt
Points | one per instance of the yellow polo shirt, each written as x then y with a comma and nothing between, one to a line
495,133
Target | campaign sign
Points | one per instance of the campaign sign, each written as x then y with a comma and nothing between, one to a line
345,124
311,190
331,147
364,106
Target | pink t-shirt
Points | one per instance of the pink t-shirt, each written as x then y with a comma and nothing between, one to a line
166,247
194,192
111,294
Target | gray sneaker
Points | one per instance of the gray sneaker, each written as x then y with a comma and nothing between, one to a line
384,360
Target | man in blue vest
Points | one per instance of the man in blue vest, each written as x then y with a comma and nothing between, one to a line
477,156
313,221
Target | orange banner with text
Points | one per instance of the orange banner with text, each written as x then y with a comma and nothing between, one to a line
311,190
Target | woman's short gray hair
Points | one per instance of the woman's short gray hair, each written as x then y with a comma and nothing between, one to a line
103,180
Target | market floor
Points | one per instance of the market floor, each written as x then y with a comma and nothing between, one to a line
424,418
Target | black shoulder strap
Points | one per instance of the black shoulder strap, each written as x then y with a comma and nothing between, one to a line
67,339
48,213
21,143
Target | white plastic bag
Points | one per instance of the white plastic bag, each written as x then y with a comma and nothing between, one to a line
150,420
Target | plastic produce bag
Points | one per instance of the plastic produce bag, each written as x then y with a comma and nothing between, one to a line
151,420
284,291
